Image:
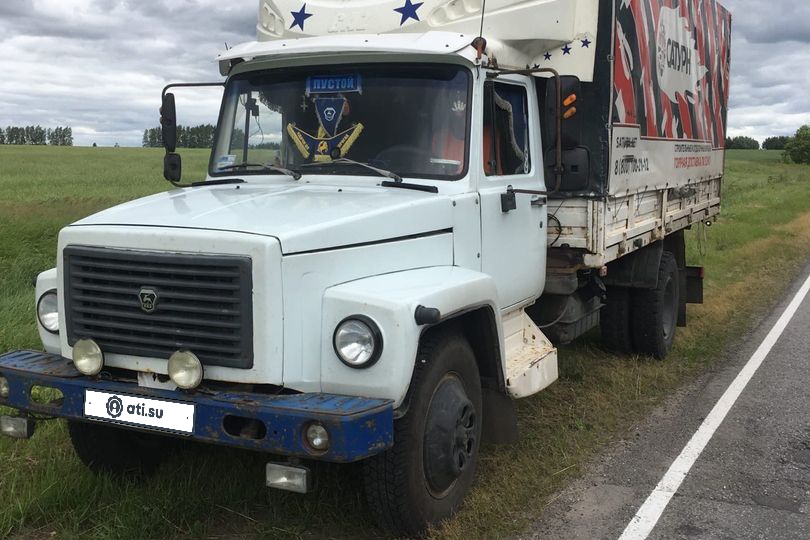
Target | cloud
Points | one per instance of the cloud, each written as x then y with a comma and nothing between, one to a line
100,65
770,49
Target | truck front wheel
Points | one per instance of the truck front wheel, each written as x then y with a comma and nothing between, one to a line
655,311
105,449
424,478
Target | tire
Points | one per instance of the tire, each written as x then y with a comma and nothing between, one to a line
654,312
426,475
614,321
105,449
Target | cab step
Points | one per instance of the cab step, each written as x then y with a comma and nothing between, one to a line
531,359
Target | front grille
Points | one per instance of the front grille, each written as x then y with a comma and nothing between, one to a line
153,304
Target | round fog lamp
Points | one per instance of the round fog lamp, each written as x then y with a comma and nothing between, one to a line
5,390
185,370
48,312
358,342
317,437
87,357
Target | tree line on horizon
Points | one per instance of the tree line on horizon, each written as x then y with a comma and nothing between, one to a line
201,136
37,135
748,143
795,148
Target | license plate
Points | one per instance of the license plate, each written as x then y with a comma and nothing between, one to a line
139,411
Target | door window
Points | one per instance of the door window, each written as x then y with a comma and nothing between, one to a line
506,130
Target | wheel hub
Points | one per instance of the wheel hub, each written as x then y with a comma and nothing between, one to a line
450,435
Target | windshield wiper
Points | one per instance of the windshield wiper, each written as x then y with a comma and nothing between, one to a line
382,172
294,174
222,182
415,187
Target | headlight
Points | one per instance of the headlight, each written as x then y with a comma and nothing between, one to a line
358,341
48,312
185,370
87,357
5,389
317,437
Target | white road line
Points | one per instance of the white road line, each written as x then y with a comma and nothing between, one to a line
650,512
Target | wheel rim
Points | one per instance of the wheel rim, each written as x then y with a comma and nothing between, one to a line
450,435
670,308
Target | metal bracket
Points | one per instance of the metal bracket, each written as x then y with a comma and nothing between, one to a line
508,200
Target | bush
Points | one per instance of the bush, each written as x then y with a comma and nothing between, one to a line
798,148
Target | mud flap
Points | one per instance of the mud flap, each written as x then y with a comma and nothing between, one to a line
500,420
694,284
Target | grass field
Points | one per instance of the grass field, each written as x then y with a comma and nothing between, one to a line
751,254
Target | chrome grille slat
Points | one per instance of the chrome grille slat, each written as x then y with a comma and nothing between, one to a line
204,303
134,305
155,282
166,294
152,329
145,269
174,345
143,317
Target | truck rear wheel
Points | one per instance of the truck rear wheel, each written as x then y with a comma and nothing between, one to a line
614,321
655,311
424,478
106,449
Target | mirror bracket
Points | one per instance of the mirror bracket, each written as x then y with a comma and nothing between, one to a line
172,163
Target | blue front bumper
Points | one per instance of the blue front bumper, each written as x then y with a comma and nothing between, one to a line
358,427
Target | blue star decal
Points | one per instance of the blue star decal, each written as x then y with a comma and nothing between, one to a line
566,50
300,17
547,56
408,11
586,43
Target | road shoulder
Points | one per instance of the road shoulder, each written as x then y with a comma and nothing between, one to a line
602,501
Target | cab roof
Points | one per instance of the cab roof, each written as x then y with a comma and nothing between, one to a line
437,43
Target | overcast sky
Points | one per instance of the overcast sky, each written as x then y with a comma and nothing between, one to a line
99,65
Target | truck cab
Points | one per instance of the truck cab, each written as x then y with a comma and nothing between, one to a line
361,276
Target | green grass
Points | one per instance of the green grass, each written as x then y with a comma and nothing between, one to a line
762,238
43,189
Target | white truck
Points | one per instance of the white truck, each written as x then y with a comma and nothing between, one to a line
408,204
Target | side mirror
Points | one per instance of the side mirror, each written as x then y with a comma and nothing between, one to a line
168,122
172,167
576,165
567,104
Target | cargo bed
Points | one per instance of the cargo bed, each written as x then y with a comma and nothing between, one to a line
602,230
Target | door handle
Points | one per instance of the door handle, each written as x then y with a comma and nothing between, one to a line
539,200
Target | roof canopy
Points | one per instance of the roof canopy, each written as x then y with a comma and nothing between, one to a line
550,33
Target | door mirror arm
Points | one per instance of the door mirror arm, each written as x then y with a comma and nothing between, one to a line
172,162
509,199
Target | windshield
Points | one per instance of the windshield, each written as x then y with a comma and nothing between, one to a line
408,119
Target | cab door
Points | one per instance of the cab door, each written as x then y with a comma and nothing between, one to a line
511,186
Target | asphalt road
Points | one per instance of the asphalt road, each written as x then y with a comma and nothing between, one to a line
752,480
